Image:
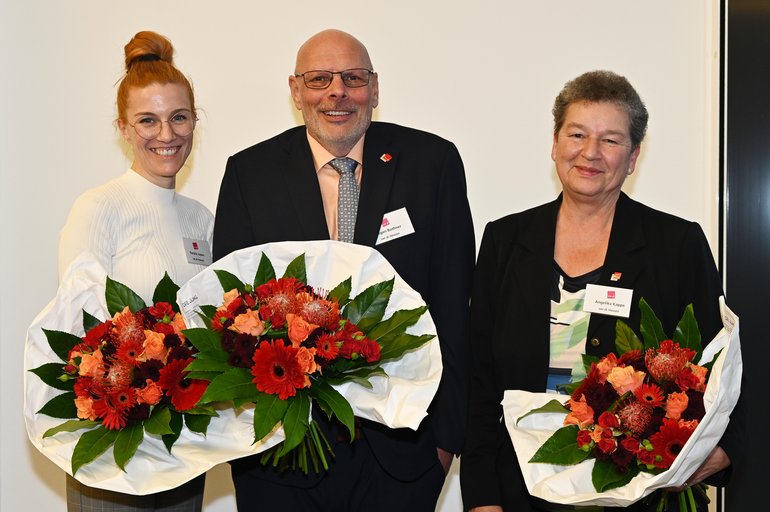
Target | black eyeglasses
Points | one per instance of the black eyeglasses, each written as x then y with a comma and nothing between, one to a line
320,79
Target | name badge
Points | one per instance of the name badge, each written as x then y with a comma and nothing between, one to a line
198,251
608,300
394,225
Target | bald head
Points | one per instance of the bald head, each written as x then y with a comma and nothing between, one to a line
330,47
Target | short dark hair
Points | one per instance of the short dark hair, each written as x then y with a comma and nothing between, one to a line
599,86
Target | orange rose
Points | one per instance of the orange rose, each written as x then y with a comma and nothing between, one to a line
299,329
676,405
581,414
700,375
85,406
154,347
151,394
248,323
606,364
625,379
306,359
229,297
178,324
91,365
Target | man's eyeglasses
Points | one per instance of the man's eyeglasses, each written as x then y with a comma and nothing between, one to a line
319,79
149,127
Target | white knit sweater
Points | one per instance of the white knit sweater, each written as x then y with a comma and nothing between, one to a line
136,230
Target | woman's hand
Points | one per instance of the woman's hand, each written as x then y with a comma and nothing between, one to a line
715,462
487,508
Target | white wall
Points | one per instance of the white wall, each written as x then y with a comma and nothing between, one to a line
483,74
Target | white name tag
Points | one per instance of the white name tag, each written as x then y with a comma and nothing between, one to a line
394,225
198,251
608,300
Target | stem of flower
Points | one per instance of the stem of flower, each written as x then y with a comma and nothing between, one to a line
691,499
317,441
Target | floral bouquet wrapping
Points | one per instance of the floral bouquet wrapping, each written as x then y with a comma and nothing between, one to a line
661,407
287,326
107,396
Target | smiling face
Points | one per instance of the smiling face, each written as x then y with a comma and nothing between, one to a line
593,152
337,116
158,159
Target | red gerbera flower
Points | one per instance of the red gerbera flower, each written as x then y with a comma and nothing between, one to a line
113,407
128,351
326,347
650,394
276,370
669,440
184,392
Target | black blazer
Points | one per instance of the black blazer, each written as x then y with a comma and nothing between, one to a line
663,258
270,193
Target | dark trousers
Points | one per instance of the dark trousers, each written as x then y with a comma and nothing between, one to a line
355,482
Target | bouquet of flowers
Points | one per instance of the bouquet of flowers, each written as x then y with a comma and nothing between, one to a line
280,344
632,425
125,377
121,387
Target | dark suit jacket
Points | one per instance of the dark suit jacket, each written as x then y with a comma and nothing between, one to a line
663,258
270,193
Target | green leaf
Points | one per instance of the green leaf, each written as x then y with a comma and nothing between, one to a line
553,406
295,421
234,383
368,307
652,329
61,406
119,296
165,291
127,442
358,375
197,422
207,376
334,402
204,340
207,312
398,323
341,292
265,271
296,269
207,365
91,445
268,410
70,426
50,373
561,448
61,342
626,339
230,281
394,347
606,477
89,321
159,422
687,333
176,429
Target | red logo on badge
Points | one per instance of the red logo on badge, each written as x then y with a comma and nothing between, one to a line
385,222
195,245
611,294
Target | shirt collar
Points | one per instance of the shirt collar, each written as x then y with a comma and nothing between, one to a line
322,157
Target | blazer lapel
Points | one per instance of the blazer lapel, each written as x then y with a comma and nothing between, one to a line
379,168
301,185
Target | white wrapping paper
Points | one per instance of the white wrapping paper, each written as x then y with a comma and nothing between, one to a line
572,485
400,400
